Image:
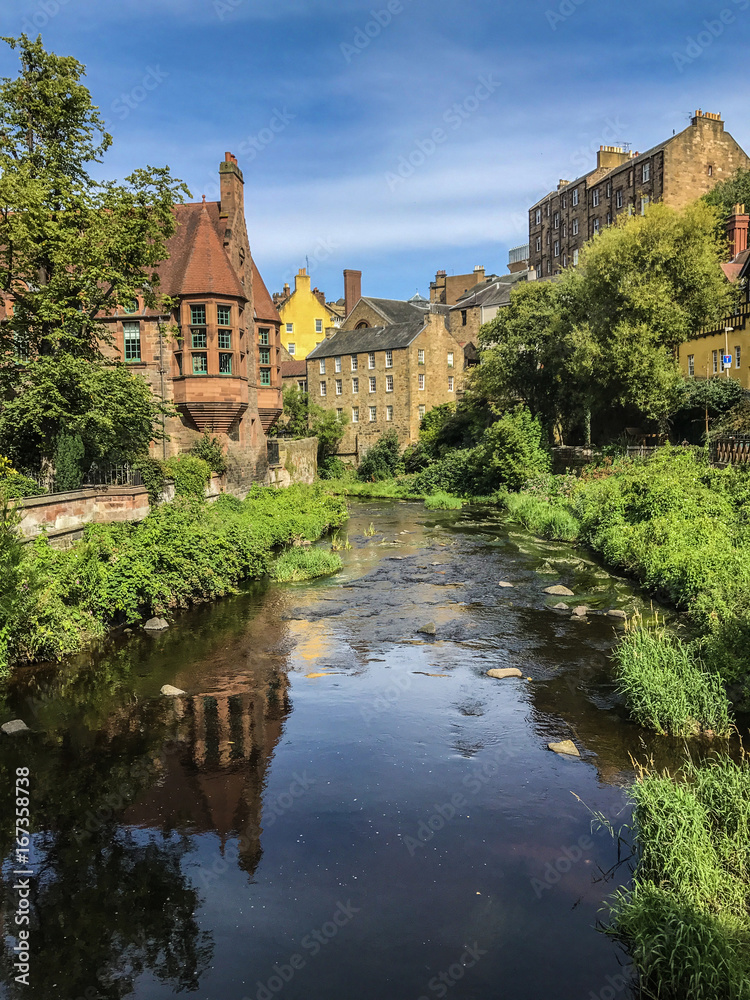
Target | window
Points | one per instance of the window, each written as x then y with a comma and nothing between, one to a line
290,328
557,220
575,258
557,248
710,171
339,387
596,226
646,172
546,208
450,359
371,359
264,354
549,267
225,364
225,340
355,363
355,414
630,178
737,356
715,359
373,414
565,260
302,385
197,315
178,359
389,413
644,205
450,383
575,227
132,340
421,410
564,201
595,197
292,348
339,415
538,243
609,189
575,197
355,386
265,376
131,307
565,230
618,198
389,359
199,338
323,389
421,382
224,315
200,364
464,321
609,218
322,366
538,216
318,325
420,356
691,364
337,364
549,238
373,383
389,383
264,337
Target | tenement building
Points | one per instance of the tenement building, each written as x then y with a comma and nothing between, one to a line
676,172
380,378
215,355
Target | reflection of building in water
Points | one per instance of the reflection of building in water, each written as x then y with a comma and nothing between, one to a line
214,774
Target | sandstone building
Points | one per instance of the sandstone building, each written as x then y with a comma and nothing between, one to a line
677,171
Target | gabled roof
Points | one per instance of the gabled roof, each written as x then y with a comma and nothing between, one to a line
491,293
263,307
734,268
294,369
396,311
371,338
197,262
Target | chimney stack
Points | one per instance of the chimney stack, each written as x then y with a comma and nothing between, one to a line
737,228
320,296
231,184
352,289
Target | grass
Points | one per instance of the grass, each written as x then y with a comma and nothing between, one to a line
299,564
686,918
667,687
443,501
383,489
542,518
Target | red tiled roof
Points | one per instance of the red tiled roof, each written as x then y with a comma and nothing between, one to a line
734,268
263,306
197,262
294,369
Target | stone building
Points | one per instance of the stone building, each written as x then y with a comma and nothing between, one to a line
386,377
676,172
702,356
215,355
305,316
371,312
447,289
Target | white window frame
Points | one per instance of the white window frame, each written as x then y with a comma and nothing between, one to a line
323,389
420,356
389,359
557,248
322,366
575,258
538,217
645,202
290,328
339,413
691,364
373,383
557,220
450,359
538,243
596,226
355,363
388,414
339,387
318,325
389,383
715,360
737,355
646,172
337,364
292,348
618,198
371,360
355,386
451,382
575,227
595,197
373,415
421,382
355,414
575,196
421,410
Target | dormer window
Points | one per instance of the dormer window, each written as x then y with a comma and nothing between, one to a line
130,307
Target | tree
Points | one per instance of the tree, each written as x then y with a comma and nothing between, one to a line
733,191
111,411
71,248
295,421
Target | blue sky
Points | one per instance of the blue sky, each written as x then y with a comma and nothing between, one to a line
483,105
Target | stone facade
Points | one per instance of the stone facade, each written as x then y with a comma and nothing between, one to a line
677,171
447,289
298,462
413,367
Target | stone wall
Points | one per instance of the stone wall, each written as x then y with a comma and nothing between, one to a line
298,462
64,515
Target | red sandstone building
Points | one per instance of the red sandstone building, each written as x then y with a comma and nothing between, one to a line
221,368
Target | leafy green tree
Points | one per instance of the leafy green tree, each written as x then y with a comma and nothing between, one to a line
69,458
382,460
71,248
510,452
733,191
111,410
295,420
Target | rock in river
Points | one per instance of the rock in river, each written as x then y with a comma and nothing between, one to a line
616,613
559,591
428,629
502,672
560,607
567,748
16,726
581,611
156,625
171,692
503,583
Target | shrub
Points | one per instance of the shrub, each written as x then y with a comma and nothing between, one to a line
666,687
331,468
152,475
382,460
211,451
510,452
14,485
453,474
69,458
300,564
191,475
547,520
443,501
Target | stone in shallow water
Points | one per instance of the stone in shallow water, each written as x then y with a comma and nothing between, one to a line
616,613
504,583
171,692
560,607
428,629
581,611
500,673
559,591
16,726
567,748
156,625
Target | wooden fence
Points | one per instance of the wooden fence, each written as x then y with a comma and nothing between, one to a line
730,451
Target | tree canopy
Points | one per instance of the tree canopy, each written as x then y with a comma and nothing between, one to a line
735,190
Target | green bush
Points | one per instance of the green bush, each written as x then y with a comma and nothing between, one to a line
331,468
667,687
443,501
191,475
542,518
300,564
68,460
152,476
382,460
510,452
14,485
211,451
452,474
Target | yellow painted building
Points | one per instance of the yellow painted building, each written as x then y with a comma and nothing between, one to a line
702,357
304,317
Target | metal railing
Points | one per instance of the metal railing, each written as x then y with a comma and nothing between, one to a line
731,451
273,453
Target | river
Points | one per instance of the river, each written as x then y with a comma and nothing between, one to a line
340,806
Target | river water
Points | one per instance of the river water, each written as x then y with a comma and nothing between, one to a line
341,806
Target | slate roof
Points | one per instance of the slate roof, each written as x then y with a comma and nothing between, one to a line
491,293
371,338
396,311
